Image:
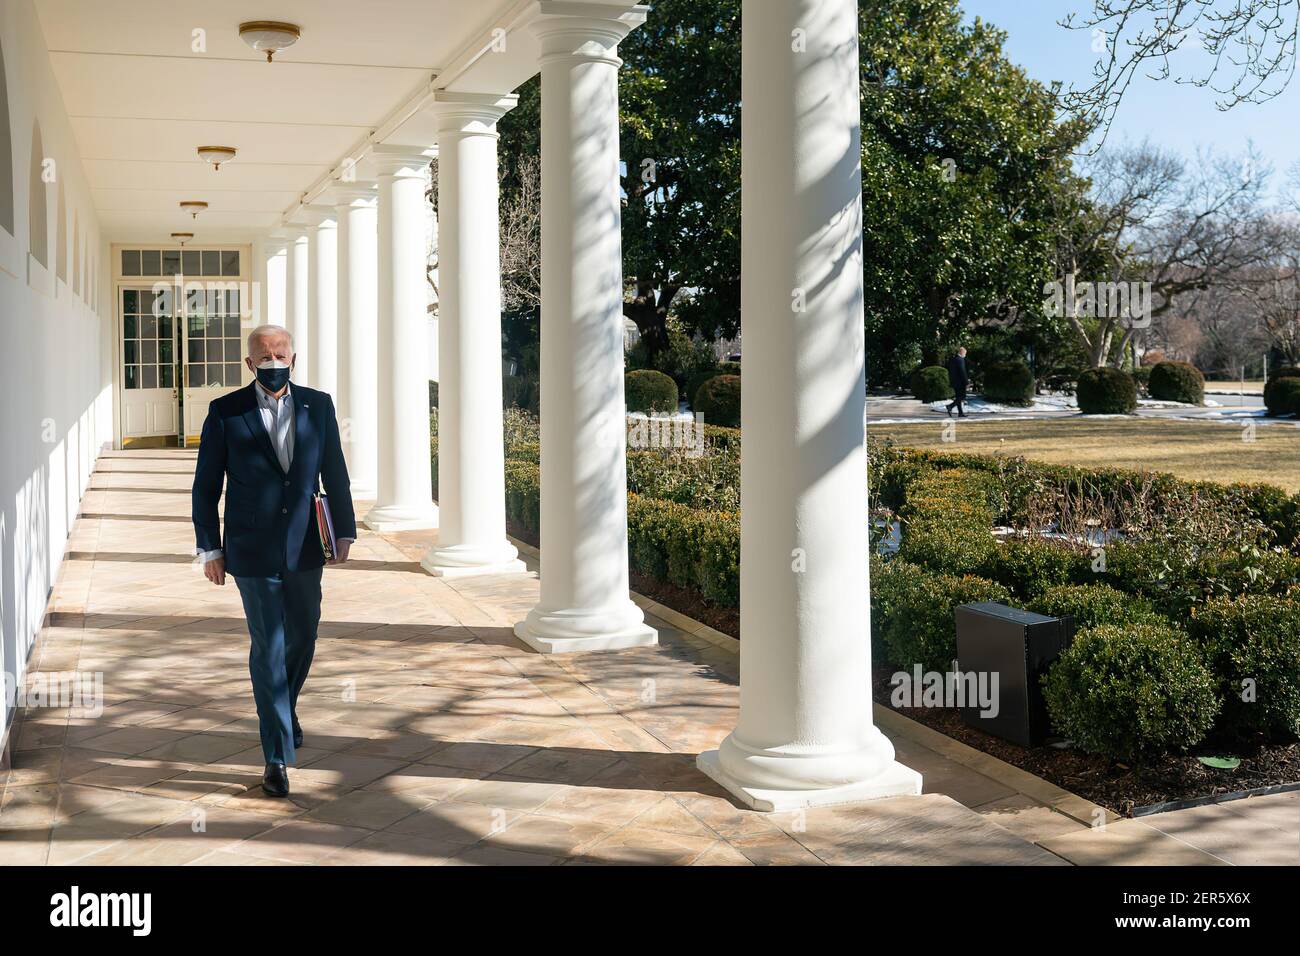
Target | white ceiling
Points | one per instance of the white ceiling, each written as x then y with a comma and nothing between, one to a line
141,99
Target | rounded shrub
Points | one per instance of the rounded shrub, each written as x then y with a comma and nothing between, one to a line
646,390
1029,566
1093,604
698,378
1253,645
912,612
1132,691
1009,383
930,384
1282,392
718,400
1106,391
1177,382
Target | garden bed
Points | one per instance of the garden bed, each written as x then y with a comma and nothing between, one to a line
1112,784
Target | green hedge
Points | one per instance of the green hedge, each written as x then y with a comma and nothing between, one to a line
718,400
1132,691
1009,383
1022,486
686,546
646,390
930,384
1177,382
1094,604
1253,644
1029,566
913,619
948,521
1106,391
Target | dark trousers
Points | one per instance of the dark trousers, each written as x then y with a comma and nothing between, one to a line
283,612
958,400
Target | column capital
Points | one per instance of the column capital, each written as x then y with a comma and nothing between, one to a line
474,113
585,29
290,232
317,216
344,195
400,162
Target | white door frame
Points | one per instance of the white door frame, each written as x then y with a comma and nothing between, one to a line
248,304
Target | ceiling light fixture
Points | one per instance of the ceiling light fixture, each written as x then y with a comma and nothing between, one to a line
182,237
269,36
216,155
193,207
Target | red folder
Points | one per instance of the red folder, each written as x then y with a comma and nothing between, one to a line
324,525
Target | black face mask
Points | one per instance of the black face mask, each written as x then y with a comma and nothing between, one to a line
273,379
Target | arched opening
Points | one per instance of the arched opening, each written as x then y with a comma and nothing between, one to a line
38,207
6,154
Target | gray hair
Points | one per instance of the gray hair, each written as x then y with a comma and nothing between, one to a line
267,331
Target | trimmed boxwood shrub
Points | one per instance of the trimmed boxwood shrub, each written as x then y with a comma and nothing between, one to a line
930,384
718,400
1029,566
1009,383
524,496
1093,604
1023,485
1282,396
1132,691
948,521
646,390
1279,398
1106,391
912,612
1254,638
1177,382
688,547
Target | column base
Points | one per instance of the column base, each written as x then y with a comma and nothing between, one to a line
390,518
459,561
572,631
895,780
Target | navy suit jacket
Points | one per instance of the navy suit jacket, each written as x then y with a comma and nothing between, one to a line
270,527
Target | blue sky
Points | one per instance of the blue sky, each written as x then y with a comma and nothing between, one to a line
1176,116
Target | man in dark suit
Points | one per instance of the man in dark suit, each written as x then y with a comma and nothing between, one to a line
270,444
958,379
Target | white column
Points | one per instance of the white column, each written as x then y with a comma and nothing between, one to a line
253,302
471,458
584,603
322,298
275,280
296,300
805,735
405,488
358,306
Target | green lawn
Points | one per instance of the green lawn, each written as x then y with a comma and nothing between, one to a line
1198,450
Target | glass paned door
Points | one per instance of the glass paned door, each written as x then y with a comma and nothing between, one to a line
213,349
147,358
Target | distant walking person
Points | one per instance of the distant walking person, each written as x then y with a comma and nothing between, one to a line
958,379
272,445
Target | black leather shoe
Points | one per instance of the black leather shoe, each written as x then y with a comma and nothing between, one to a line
275,780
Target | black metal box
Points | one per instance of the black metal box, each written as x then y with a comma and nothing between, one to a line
1018,646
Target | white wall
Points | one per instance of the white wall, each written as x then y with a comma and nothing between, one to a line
55,350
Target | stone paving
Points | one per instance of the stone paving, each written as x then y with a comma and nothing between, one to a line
434,737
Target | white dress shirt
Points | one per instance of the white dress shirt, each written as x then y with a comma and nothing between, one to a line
277,418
